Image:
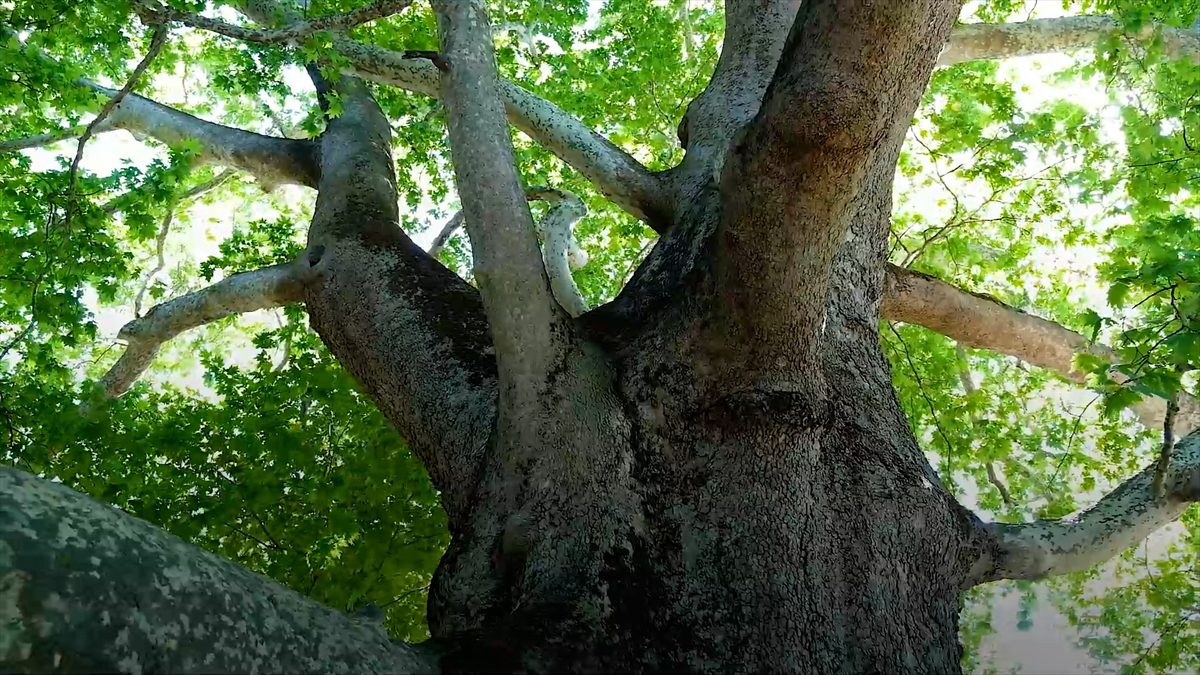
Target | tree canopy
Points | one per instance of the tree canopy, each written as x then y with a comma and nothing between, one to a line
1053,180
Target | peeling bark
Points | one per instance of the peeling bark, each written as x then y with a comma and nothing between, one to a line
86,588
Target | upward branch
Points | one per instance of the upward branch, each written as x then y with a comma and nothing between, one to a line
522,312
848,81
1123,518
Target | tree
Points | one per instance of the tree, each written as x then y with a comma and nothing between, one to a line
709,470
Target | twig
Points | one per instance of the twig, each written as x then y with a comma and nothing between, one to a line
157,41
964,376
165,228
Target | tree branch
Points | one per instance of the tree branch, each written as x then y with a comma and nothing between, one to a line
153,12
164,229
849,79
755,31
560,252
1123,518
968,385
273,161
443,237
613,172
524,318
975,41
157,42
981,321
244,292
85,587
409,330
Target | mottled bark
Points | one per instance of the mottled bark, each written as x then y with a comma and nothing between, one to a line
85,588
1121,519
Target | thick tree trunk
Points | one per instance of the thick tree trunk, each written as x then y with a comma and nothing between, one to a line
773,533
711,473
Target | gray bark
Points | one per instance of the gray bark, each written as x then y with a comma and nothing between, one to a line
86,588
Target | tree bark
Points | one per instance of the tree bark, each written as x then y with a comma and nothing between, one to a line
85,588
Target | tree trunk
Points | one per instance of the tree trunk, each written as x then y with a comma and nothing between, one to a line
710,473
773,534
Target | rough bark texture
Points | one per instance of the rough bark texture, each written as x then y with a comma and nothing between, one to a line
711,472
85,588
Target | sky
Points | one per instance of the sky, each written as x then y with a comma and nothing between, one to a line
1049,647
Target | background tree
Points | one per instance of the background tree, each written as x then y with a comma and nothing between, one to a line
715,467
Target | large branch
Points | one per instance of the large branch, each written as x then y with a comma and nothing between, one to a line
1047,36
410,331
524,318
245,292
848,81
755,31
87,588
981,321
273,161
1123,518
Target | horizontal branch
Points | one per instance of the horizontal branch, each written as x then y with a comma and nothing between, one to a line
272,161
979,320
974,41
153,12
87,588
244,292
41,140
1125,517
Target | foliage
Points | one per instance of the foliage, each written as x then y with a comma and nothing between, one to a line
251,442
